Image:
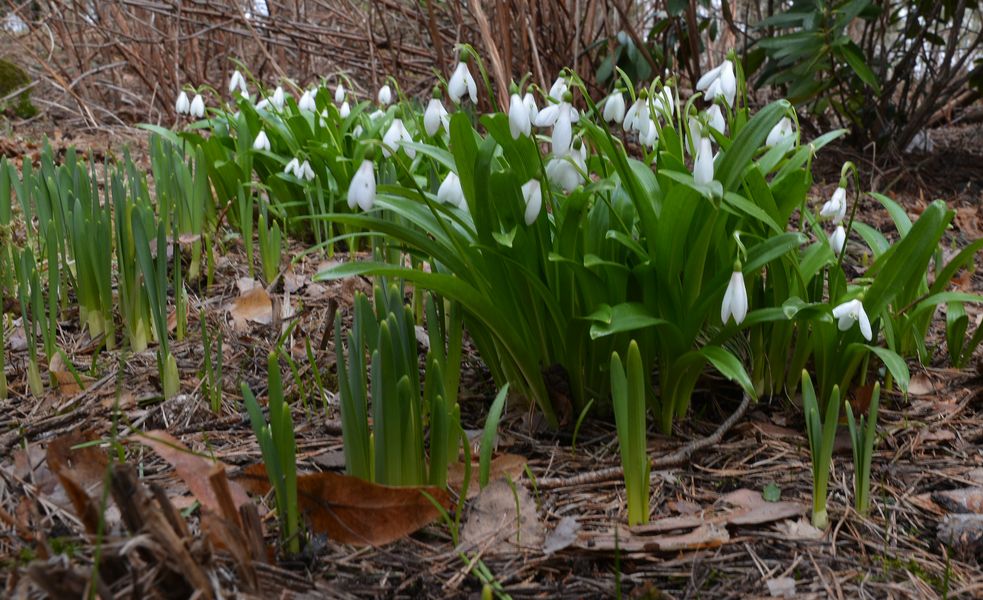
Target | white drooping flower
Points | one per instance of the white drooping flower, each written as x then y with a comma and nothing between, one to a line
532,193
339,93
837,240
703,166
614,107
530,101
183,105
561,118
262,142
434,117
361,191
345,110
735,299
715,118
558,89
567,171
385,96
852,312
519,120
460,83
695,133
835,207
306,101
395,138
780,132
238,82
451,192
304,171
664,102
278,98
719,81
292,167
651,136
637,117
197,109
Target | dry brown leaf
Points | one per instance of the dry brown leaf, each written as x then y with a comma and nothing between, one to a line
505,465
921,385
353,511
562,536
710,535
503,519
67,384
684,507
963,500
87,465
753,509
253,306
191,468
799,530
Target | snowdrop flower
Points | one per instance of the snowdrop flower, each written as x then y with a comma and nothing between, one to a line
719,81
614,107
835,207
339,93
530,101
376,115
695,133
664,102
837,240
850,312
238,82
637,117
532,193
735,299
715,118
559,88
262,142
197,109
183,105
460,83
395,138
435,116
651,136
450,191
703,166
566,171
262,104
345,110
361,192
780,132
291,168
519,121
385,96
304,171
278,98
306,101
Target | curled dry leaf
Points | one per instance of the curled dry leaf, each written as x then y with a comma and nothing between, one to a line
353,511
503,519
191,468
253,306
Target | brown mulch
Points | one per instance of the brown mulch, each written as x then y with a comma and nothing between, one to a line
930,443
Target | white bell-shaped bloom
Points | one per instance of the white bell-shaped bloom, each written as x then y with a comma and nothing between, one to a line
780,132
237,82
339,93
197,109
460,83
435,116
375,115
361,192
715,118
852,312
451,192
519,120
567,171
735,299
835,207
304,171
293,167
563,129
664,102
637,117
530,102
532,193
183,105
306,101
262,104
651,136
614,108
695,133
262,142
345,110
278,98
837,240
558,89
719,81
395,138
703,165
385,96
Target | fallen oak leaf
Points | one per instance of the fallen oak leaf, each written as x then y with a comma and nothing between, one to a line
354,511
191,468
